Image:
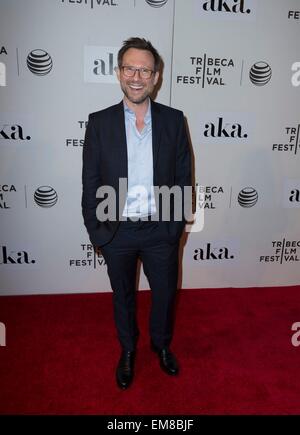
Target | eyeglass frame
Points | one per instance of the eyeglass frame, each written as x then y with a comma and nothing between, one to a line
137,69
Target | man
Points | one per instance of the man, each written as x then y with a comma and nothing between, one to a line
146,144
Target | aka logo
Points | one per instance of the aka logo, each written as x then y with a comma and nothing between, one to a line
14,257
294,196
231,6
209,253
103,67
291,193
296,77
222,129
99,64
12,132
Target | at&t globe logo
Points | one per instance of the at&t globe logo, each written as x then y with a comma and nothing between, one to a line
248,197
45,196
156,3
39,62
260,73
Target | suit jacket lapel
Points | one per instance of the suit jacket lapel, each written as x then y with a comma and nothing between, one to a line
156,131
120,140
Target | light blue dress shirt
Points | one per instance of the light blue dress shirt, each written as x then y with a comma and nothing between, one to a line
140,199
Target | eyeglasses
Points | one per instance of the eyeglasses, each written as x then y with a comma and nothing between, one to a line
129,71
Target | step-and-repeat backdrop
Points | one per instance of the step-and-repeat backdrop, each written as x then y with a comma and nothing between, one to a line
232,66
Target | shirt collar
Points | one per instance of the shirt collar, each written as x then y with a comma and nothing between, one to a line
130,112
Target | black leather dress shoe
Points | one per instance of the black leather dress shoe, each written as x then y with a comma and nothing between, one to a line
167,360
125,369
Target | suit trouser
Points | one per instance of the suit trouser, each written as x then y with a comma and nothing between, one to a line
147,241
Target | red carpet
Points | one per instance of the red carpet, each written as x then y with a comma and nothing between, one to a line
234,348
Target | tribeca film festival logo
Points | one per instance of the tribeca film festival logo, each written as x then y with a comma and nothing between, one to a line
99,64
45,196
296,76
2,67
39,62
284,251
213,71
6,191
290,142
90,3
215,196
294,15
207,70
9,257
95,3
2,334
210,195
72,142
91,257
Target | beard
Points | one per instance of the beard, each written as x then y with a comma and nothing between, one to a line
139,99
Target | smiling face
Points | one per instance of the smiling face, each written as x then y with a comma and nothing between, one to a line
137,89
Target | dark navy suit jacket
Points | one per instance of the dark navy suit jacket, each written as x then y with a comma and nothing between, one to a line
105,162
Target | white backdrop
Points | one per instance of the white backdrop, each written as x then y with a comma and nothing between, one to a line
232,66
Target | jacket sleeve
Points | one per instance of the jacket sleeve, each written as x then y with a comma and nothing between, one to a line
90,176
